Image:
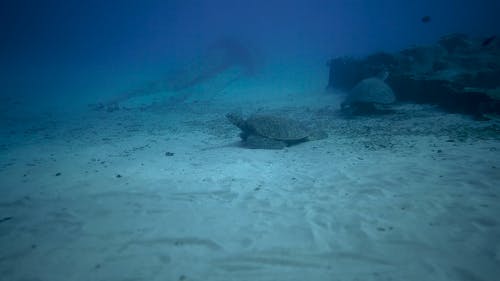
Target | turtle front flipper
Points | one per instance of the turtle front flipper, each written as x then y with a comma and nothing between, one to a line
317,135
258,142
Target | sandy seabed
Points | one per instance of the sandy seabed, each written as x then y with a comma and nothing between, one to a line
169,193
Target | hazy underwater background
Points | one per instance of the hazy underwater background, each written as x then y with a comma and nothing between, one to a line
258,140
69,53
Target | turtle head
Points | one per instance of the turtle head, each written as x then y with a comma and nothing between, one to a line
236,118
383,74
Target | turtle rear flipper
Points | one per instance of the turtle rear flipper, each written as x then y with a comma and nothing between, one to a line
258,142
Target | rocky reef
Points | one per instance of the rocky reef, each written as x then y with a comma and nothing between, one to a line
459,73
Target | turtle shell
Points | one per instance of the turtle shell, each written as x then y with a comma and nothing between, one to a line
371,90
275,127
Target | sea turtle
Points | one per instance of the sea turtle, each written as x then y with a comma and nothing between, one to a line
364,97
268,131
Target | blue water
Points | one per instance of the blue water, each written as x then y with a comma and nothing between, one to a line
56,47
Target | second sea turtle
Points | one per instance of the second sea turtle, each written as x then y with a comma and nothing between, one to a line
368,93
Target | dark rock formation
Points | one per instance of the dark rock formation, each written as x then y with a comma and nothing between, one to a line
458,73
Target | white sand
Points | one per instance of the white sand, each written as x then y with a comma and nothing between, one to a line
384,198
